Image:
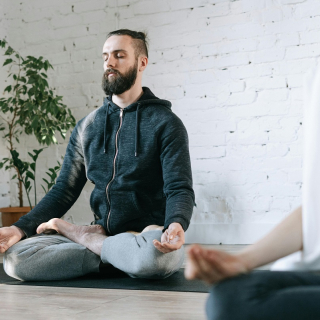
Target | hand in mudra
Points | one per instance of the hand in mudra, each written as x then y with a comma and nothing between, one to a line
9,236
172,239
212,265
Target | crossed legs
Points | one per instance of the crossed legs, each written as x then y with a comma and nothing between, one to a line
78,250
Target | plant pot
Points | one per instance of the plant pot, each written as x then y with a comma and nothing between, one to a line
10,215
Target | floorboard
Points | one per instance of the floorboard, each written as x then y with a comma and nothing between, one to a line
52,303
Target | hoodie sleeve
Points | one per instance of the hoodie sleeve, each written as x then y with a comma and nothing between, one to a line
63,194
177,176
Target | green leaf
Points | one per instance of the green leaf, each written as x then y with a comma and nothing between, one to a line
7,62
32,156
31,80
30,175
33,167
3,43
37,152
14,176
9,51
8,88
34,123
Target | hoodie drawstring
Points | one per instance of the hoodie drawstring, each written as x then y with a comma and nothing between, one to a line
105,129
137,132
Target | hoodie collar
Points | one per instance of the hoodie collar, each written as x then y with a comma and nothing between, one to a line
146,98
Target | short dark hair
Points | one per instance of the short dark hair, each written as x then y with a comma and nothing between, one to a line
140,42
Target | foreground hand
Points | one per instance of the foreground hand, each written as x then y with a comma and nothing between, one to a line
212,265
172,239
9,236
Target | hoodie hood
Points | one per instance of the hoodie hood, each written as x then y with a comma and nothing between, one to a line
148,98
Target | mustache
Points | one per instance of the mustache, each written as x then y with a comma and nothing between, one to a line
108,71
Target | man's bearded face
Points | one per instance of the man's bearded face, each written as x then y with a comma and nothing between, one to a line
118,83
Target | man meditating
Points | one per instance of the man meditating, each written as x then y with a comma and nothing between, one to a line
134,149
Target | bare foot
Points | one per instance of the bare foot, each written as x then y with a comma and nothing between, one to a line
152,227
148,228
212,265
91,236
133,232
64,227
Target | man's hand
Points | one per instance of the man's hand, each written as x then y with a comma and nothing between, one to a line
9,236
172,239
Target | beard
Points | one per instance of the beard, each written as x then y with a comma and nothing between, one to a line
120,82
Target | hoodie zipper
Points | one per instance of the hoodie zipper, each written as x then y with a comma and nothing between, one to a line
114,169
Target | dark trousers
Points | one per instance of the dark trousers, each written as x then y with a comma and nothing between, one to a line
263,295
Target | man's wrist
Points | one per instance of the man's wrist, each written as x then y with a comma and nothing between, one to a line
19,231
176,223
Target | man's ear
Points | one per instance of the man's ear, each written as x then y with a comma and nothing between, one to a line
143,62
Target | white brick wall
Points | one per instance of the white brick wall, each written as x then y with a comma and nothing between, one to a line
233,71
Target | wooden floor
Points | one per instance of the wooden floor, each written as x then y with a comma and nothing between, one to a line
46,303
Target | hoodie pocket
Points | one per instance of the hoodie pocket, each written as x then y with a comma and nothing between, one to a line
125,214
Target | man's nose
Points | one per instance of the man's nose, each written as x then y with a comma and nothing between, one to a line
109,62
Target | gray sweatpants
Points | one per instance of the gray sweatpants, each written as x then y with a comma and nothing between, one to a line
54,257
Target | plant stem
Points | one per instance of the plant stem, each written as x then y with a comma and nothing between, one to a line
20,188
35,188
27,195
11,133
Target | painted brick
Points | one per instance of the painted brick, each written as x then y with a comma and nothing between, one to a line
267,42
211,10
270,82
303,51
288,39
93,5
149,7
186,4
307,9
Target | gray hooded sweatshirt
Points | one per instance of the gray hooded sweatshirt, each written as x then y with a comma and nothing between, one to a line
137,158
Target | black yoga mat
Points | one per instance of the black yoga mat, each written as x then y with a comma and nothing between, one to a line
111,278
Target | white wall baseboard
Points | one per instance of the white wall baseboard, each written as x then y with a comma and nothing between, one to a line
226,233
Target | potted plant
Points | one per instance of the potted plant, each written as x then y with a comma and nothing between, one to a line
29,106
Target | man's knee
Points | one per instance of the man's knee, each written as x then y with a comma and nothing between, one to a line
30,259
14,262
151,263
